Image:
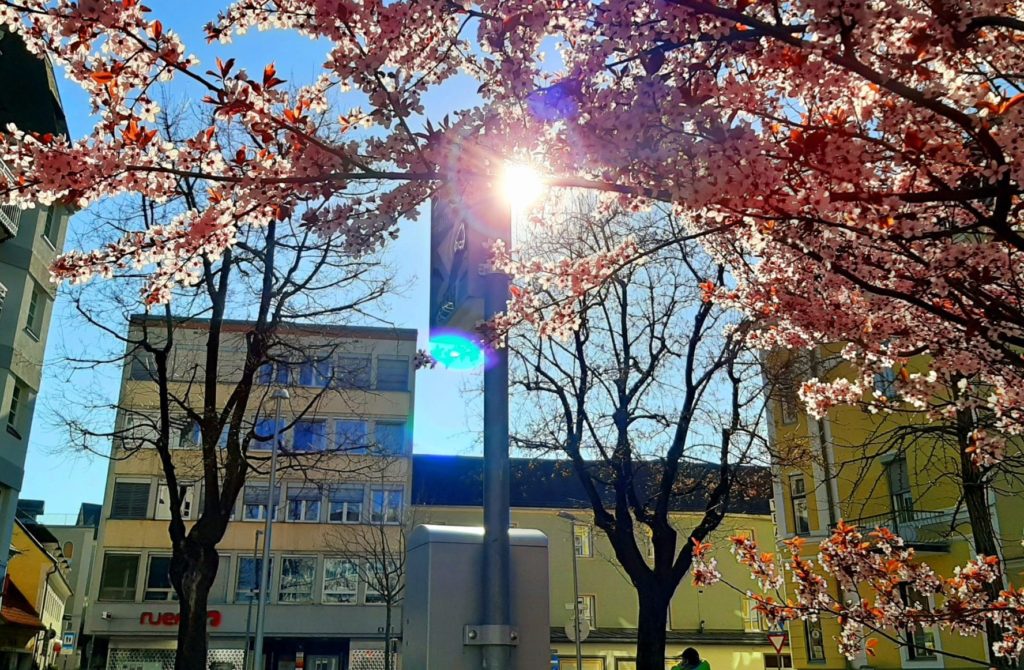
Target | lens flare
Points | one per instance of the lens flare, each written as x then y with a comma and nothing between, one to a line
455,351
522,185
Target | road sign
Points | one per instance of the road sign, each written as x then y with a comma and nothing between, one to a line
556,663
570,629
778,641
67,645
463,225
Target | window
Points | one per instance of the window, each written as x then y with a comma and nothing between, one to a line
36,309
142,366
304,504
50,226
306,373
352,371
163,501
899,488
815,640
275,372
379,573
130,500
583,540
885,384
254,502
297,574
588,609
247,583
771,661
752,622
158,579
393,374
68,550
390,437
801,516
341,581
264,432
386,506
920,640
118,577
346,504
309,435
18,396
351,436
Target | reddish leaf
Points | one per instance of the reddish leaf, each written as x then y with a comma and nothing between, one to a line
102,77
156,29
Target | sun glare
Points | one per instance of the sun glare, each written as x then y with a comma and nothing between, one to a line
522,185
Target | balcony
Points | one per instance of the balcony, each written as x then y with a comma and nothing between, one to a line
922,530
9,214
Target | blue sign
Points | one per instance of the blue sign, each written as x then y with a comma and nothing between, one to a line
67,644
556,663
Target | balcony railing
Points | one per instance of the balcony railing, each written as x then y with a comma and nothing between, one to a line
920,528
9,214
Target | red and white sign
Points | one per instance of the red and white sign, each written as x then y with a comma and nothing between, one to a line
172,618
778,641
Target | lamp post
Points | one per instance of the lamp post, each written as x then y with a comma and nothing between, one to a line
279,396
575,587
248,614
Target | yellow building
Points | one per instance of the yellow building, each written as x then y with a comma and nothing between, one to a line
863,468
38,575
716,621
344,466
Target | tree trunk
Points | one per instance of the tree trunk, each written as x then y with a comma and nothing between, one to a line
651,624
193,569
975,492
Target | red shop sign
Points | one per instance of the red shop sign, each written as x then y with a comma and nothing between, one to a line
172,618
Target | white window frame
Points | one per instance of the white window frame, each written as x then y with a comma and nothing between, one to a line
325,592
345,509
262,515
308,599
304,505
163,509
583,540
938,660
169,592
387,491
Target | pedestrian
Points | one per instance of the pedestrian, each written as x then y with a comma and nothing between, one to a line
691,660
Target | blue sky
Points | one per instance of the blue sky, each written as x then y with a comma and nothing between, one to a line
446,419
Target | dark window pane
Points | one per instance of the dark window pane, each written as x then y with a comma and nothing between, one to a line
118,578
393,374
352,371
158,580
310,436
130,500
351,436
390,437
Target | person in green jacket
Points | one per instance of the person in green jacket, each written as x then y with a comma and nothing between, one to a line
691,660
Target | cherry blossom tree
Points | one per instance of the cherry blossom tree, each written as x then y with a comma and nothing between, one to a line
875,572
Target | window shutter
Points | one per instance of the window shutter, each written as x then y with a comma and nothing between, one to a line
130,500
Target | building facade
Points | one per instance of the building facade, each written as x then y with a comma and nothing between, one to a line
718,621
78,547
344,468
40,574
874,470
29,241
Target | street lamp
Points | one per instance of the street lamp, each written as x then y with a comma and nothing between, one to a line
248,614
279,396
575,587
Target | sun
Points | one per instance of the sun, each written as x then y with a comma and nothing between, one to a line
522,185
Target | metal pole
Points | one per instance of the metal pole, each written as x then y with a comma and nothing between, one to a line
576,599
496,479
279,396
248,614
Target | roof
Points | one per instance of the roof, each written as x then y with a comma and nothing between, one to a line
672,636
16,610
457,481
229,325
89,515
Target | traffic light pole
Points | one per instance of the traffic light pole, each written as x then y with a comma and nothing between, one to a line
497,559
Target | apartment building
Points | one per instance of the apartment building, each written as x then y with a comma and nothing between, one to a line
851,466
344,466
77,543
718,621
38,574
29,241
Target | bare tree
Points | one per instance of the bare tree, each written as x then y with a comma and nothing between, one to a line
376,550
653,399
265,312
